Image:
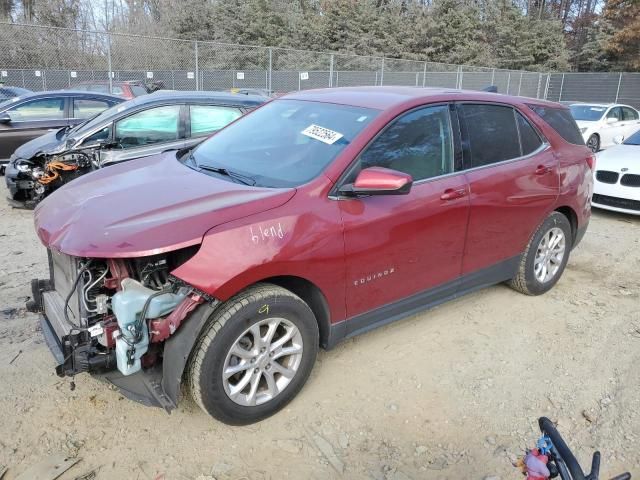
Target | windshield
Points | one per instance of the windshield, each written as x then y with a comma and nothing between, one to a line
97,119
587,113
633,139
285,143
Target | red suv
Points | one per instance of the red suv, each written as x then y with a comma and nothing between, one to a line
318,216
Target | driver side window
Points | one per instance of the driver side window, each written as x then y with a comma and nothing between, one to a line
42,109
156,125
419,143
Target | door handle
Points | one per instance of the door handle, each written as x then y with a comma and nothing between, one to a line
542,170
453,193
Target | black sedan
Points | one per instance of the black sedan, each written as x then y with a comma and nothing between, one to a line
26,117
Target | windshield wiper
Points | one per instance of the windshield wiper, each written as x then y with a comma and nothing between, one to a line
229,173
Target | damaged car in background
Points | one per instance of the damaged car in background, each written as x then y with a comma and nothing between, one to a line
148,125
318,216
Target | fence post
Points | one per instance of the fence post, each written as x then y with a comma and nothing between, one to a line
459,78
561,87
493,76
546,87
424,75
508,82
539,85
618,90
520,83
382,73
109,66
197,72
44,80
270,68
331,71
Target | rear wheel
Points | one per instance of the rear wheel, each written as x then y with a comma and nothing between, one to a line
545,257
254,355
594,143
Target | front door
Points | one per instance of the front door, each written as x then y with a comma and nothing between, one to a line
144,133
514,181
398,246
29,120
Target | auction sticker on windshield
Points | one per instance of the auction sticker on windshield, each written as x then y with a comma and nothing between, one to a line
323,134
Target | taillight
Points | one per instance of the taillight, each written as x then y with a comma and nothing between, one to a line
591,161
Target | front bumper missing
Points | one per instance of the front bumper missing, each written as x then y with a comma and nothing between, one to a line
67,346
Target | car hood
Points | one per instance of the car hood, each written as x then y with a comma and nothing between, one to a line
619,157
145,207
47,142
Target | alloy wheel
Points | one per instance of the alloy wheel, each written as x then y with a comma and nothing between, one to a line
549,255
262,361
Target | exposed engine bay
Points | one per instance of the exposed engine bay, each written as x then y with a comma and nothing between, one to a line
118,312
44,173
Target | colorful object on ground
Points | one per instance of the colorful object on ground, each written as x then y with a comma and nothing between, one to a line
534,465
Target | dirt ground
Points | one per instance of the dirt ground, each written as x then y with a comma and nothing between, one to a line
453,393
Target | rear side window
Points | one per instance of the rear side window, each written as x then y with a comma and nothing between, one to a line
561,121
629,114
85,108
529,138
492,132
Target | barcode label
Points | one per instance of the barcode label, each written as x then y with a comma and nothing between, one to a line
323,134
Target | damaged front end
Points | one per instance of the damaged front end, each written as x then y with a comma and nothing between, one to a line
113,318
31,180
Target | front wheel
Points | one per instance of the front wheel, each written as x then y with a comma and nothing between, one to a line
594,143
545,257
254,355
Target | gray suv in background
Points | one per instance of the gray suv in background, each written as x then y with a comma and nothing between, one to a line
147,125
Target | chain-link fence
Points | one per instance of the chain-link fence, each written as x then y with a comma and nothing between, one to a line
47,58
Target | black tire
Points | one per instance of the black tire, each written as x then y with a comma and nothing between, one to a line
593,142
225,327
525,280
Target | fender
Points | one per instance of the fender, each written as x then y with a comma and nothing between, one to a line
309,245
177,349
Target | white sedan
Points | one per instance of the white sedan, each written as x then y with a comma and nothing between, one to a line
617,177
600,123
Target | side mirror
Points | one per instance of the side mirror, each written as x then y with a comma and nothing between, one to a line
5,118
379,181
612,120
618,139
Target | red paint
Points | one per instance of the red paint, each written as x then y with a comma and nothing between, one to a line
162,328
118,271
361,253
378,178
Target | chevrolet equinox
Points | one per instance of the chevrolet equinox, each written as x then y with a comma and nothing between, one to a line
316,217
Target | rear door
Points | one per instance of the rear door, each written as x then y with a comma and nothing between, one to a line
630,121
31,119
146,132
397,246
514,182
613,127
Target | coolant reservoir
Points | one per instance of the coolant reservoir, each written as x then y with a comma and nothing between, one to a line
127,306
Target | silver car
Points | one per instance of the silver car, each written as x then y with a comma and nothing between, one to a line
144,126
